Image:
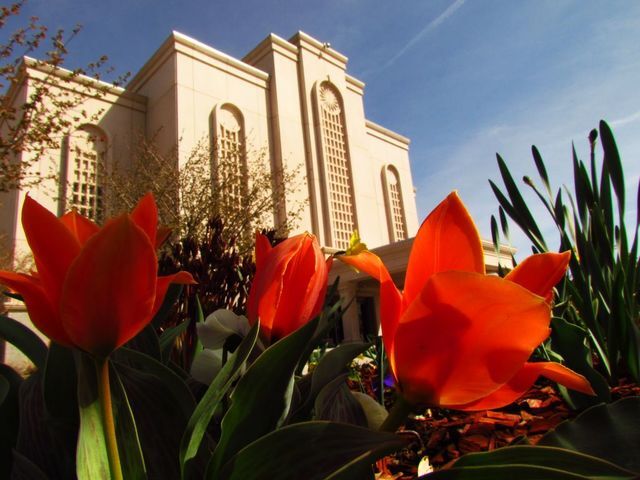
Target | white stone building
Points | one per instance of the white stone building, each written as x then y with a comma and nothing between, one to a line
293,98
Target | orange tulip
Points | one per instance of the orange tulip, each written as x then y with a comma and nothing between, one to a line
289,285
95,288
458,338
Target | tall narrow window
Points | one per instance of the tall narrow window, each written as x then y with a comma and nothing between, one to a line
87,147
336,166
230,167
395,208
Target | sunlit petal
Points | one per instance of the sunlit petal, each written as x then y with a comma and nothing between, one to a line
390,297
41,312
53,245
109,292
263,247
466,335
540,273
522,381
447,240
81,227
183,278
145,215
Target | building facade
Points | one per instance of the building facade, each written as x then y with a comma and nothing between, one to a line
291,98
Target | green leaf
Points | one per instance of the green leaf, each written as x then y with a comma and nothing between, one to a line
168,338
50,443
261,400
542,170
196,428
146,342
131,458
25,469
24,339
309,450
171,297
336,403
607,431
161,403
560,459
92,460
612,161
570,342
60,384
332,364
10,383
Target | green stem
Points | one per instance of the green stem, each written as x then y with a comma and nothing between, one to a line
104,392
398,414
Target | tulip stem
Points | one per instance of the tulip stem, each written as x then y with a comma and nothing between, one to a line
398,414
104,391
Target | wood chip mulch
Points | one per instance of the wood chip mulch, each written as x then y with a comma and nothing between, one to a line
444,435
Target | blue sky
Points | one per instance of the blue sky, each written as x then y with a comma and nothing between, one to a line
462,79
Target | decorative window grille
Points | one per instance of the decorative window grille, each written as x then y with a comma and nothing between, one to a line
230,161
86,151
337,168
395,206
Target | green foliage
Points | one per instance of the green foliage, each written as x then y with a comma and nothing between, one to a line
600,294
223,277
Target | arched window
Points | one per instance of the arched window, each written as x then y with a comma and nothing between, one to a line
87,147
229,160
337,168
394,205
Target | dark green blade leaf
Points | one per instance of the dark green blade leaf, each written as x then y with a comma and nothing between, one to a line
47,442
161,403
509,472
146,342
60,384
24,339
309,450
261,400
172,295
205,409
336,403
332,364
542,170
10,383
561,459
168,338
570,342
617,437
131,458
25,469
614,166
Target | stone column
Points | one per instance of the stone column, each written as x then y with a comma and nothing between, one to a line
350,316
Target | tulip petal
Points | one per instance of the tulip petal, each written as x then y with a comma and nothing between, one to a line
540,273
162,286
465,336
263,247
108,296
266,287
447,240
53,245
299,283
82,228
522,381
390,297
43,315
145,215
